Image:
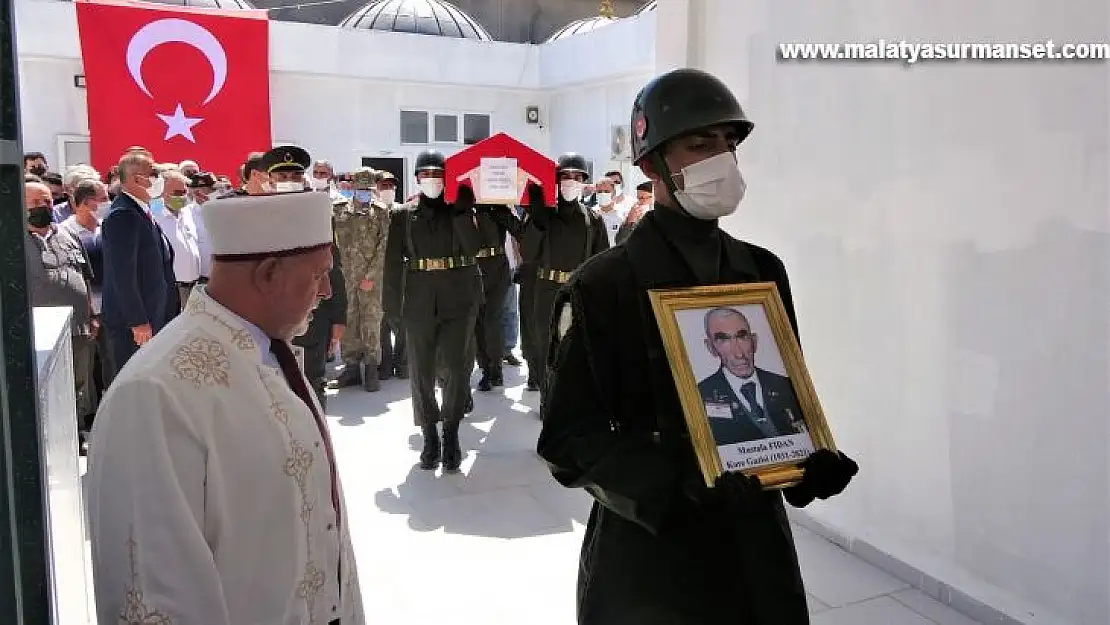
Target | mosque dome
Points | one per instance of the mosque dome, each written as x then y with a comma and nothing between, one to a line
421,17
604,18
649,6
208,4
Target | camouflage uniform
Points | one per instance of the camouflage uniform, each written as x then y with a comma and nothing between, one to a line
360,232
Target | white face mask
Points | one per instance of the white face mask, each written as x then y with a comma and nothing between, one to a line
319,184
604,198
387,196
571,190
431,187
713,187
157,186
102,209
288,187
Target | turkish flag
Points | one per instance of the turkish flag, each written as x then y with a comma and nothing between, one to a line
182,82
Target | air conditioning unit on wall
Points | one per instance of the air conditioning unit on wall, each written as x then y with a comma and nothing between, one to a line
620,143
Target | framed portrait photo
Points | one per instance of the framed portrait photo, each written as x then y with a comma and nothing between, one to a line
746,394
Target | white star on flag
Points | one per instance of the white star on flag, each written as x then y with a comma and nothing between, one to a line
178,125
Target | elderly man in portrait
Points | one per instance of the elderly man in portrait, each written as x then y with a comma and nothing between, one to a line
743,402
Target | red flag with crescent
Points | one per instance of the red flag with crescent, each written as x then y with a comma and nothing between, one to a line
182,82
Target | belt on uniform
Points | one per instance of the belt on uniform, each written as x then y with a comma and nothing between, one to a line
554,275
439,264
489,252
193,283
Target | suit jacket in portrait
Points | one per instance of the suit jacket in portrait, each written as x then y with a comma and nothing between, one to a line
778,398
138,269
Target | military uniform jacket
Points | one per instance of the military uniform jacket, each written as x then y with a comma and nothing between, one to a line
613,425
570,234
432,230
361,233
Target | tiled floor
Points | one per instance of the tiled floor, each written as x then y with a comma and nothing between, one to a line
502,539
498,544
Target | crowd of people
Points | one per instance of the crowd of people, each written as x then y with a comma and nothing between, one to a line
207,313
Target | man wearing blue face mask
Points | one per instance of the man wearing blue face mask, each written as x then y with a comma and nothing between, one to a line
361,228
661,547
139,284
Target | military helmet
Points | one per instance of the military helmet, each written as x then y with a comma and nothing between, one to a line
678,103
430,160
572,163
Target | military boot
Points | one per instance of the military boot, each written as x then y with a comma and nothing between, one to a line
370,381
496,378
452,453
351,375
429,456
485,384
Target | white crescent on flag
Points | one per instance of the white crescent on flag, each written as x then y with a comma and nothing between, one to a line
176,30
169,30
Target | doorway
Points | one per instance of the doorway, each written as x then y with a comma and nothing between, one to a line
394,165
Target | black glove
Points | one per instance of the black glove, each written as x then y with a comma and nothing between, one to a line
827,473
464,200
536,207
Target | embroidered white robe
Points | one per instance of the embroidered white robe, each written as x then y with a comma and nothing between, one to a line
209,488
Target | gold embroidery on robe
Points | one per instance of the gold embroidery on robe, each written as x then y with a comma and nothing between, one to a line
135,610
203,362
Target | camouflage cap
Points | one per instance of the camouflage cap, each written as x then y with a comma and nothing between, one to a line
364,178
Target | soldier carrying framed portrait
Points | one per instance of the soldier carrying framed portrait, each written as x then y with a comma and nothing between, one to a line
746,394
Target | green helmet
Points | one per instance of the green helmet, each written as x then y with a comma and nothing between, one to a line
678,103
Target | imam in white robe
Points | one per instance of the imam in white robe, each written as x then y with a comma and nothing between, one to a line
209,488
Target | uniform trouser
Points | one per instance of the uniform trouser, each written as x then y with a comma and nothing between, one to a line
361,340
84,386
489,333
527,311
315,343
541,323
392,338
444,346
510,320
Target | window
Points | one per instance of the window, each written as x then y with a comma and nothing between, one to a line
423,127
72,150
446,128
475,128
414,127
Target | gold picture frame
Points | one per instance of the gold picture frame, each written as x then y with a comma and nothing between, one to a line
727,323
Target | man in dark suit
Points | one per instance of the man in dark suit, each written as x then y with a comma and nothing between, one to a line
743,402
138,261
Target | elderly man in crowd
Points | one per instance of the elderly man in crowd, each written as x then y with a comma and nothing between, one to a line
73,176
57,274
214,498
138,262
181,234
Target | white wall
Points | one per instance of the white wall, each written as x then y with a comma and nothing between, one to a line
948,239
593,79
338,92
